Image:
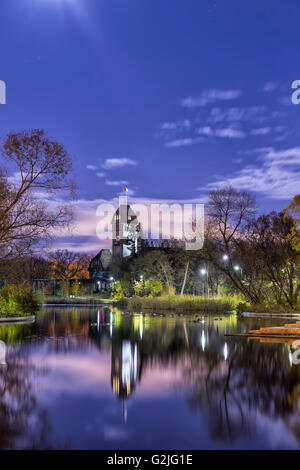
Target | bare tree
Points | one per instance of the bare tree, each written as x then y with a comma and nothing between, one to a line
42,174
229,213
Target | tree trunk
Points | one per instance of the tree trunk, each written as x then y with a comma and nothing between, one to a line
185,277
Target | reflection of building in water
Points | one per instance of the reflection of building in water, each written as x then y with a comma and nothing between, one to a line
124,366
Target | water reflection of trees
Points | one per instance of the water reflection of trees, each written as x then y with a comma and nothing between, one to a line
18,402
231,388
254,379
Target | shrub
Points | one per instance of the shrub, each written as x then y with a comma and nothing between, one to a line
169,291
147,288
117,291
39,296
75,288
18,300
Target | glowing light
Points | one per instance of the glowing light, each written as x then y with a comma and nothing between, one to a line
203,340
225,352
141,326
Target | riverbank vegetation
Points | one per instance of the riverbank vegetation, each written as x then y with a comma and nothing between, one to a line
80,300
180,304
18,301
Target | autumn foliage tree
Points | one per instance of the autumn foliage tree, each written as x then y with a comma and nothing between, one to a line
67,265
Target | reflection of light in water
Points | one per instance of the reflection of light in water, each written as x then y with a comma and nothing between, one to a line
290,358
98,320
225,352
129,365
110,326
141,326
203,340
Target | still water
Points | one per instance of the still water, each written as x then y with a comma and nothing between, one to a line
86,378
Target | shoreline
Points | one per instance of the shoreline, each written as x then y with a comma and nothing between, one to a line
270,315
26,319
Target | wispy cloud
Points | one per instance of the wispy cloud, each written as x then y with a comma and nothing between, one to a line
111,163
228,133
237,114
261,131
276,174
172,126
116,183
209,97
270,87
91,167
183,142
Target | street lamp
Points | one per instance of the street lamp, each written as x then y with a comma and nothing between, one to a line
225,257
238,268
204,271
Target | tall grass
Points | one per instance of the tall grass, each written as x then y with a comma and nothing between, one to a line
182,304
56,300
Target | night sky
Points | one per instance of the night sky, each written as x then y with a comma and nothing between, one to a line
168,97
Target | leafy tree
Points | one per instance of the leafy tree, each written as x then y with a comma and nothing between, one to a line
147,288
67,265
293,211
154,265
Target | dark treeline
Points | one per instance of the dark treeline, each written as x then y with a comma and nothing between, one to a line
254,255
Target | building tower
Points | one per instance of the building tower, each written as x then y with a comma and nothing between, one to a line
125,230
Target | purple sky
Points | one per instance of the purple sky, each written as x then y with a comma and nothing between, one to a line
171,99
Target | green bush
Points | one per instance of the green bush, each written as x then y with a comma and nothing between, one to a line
18,300
40,297
117,291
147,288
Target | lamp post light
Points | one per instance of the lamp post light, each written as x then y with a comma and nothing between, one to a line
225,257
204,271
238,268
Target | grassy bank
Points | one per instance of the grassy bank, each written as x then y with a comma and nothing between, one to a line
87,300
267,308
181,304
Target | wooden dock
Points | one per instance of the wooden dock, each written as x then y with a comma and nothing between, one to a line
286,330
286,334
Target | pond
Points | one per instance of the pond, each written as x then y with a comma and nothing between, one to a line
99,378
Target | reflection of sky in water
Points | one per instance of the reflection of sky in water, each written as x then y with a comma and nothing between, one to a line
106,380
